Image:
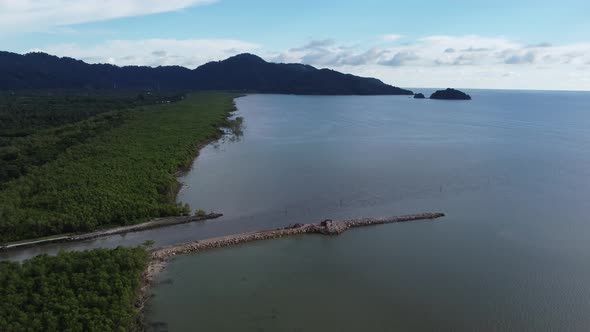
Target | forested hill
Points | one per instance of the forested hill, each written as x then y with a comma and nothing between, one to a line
244,72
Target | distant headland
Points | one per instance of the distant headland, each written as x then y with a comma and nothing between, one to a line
240,73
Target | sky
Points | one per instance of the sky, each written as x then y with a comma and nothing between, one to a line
518,44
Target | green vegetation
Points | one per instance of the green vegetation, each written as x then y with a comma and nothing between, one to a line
74,291
120,172
35,129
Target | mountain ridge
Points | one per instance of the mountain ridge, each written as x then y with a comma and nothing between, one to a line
243,72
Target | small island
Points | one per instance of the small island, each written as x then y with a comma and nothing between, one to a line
419,96
450,94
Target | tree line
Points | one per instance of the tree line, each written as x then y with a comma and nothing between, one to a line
74,291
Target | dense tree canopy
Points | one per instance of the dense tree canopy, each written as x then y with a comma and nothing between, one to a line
73,291
116,168
35,128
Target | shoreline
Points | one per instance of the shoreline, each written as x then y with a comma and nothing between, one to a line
184,169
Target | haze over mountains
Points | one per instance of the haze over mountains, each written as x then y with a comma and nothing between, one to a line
244,72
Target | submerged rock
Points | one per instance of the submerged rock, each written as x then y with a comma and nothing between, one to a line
450,94
419,96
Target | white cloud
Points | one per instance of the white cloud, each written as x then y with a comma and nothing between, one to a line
527,57
154,52
523,77
400,58
38,15
461,61
315,45
391,37
440,51
434,61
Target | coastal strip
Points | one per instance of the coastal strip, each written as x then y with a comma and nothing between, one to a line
155,223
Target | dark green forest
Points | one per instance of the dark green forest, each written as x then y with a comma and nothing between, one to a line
74,291
36,127
78,163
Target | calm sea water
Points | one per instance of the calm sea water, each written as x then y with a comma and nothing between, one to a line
511,170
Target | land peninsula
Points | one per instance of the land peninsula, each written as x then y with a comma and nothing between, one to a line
116,167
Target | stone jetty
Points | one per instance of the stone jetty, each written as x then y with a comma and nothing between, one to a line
159,256
326,227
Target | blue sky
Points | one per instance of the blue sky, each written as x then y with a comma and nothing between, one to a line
478,44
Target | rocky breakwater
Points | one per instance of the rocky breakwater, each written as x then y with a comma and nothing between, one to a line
326,227
380,221
159,256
